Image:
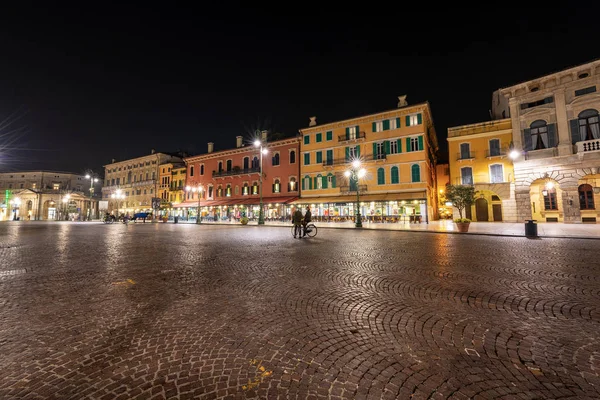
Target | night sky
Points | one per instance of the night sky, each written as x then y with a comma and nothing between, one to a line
79,87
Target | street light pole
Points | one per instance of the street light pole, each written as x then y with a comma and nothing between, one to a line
354,174
92,180
118,196
261,218
198,189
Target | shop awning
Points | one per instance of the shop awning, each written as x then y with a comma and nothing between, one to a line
363,198
237,202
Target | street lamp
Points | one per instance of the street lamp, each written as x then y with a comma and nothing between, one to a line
354,174
65,201
92,181
198,189
261,218
16,202
118,196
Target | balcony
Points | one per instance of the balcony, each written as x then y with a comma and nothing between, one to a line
341,161
346,189
464,156
348,138
496,153
235,171
588,146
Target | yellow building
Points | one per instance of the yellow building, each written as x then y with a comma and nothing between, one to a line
177,194
396,148
442,174
479,156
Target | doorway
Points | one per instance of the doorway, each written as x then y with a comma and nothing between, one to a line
481,210
497,212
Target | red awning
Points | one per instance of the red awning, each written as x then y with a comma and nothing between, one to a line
237,202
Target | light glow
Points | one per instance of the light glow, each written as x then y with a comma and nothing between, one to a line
356,164
514,154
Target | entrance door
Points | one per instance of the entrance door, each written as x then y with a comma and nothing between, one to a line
497,211
481,210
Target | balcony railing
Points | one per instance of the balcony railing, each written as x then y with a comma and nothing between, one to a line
354,136
588,146
235,171
340,161
496,153
348,189
465,156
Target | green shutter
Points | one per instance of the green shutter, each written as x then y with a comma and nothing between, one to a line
357,151
329,157
399,145
398,123
333,181
381,176
319,137
386,124
306,139
310,186
306,158
303,184
347,133
408,120
374,151
394,174
329,135
319,157
324,182
420,142
315,184
387,147
408,150
357,131
374,126
419,119
347,154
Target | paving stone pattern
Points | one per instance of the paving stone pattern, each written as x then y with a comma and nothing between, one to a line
166,311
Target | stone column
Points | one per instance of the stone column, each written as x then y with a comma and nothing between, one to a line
565,147
570,204
516,125
523,200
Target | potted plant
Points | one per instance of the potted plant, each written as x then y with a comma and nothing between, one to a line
244,220
461,197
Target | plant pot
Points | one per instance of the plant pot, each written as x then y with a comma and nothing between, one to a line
244,221
463,226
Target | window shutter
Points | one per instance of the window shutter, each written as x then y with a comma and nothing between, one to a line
357,151
329,157
399,145
374,126
347,133
357,131
398,123
315,184
381,176
386,124
303,184
552,135
420,142
310,186
408,120
575,136
289,186
419,119
408,149
319,157
333,181
387,147
329,135
273,188
394,174
374,151
324,178
527,139
347,154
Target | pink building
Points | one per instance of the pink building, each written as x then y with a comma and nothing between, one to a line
229,181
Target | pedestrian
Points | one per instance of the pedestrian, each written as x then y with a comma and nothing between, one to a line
306,220
297,221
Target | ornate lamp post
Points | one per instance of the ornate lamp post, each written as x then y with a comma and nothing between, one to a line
355,173
92,181
65,201
16,202
118,196
198,189
261,217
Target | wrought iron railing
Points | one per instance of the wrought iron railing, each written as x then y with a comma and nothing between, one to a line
355,136
235,171
352,189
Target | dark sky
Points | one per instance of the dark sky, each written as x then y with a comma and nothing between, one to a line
79,87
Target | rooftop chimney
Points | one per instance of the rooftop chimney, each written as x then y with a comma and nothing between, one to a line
264,136
113,161
313,121
402,101
210,147
238,141
152,151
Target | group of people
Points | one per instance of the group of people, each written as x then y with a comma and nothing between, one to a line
300,221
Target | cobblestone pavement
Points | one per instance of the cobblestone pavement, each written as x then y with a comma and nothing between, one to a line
94,311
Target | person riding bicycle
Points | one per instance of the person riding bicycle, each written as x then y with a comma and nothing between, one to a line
297,221
306,220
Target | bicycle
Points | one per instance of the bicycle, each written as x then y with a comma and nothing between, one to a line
310,230
109,219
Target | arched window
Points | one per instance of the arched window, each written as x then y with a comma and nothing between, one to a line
380,176
275,159
255,163
292,186
416,173
219,191
319,182
210,192
331,180
306,184
246,190
246,162
254,188
228,191
395,175
539,134
220,169
550,199
191,171
276,186
589,128
293,157
202,169
586,197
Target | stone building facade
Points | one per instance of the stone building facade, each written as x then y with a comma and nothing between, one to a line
556,130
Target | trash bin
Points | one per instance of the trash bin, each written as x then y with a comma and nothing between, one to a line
531,228
176,219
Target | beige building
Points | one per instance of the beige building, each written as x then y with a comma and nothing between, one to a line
556,131
137,181
47,195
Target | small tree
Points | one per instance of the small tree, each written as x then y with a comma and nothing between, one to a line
461,196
